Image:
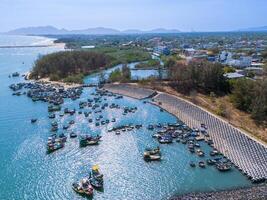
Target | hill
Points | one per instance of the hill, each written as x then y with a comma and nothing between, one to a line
50,30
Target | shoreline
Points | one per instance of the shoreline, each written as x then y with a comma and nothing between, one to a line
258,192
231,141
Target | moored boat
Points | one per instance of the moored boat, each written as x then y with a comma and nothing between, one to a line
223,166
33,120
96,178
201,164
83,187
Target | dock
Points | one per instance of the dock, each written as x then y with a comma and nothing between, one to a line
130,90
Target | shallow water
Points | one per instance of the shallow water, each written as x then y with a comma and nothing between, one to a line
27,172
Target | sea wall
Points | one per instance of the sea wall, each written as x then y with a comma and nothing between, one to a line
130,90
257,192
248,154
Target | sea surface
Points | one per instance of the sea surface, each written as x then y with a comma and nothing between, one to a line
27,172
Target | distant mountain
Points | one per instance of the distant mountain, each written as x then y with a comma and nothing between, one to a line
255,29
159,30
96,31
133,31
50,30
40,30
162,30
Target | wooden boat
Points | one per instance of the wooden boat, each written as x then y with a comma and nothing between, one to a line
83,187
73,135
51,115
149,157
201,164
152,151
165,139
211,162
200,153
223,166
192,164
96,178
33,120
51,147
86,140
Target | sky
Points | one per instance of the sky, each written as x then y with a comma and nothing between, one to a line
185,15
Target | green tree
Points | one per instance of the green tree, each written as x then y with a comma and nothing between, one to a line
126,73
242,94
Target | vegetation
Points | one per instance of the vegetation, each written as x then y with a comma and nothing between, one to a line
251,96
202,76
72,66
69,66
207,78
120,75
228,69
123,54
152,63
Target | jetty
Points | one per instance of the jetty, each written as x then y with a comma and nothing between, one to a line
248,154
130,90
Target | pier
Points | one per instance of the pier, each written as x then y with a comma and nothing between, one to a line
130,90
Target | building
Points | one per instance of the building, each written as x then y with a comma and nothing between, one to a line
189,52
233,75
159,50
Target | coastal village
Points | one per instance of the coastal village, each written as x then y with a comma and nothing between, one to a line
208,137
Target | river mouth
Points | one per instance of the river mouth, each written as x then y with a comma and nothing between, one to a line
28,172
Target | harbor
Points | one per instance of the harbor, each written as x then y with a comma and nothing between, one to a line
248,155
143,148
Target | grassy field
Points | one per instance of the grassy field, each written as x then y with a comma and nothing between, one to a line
123,54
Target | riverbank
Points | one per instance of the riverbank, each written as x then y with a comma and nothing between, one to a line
256,192
244,151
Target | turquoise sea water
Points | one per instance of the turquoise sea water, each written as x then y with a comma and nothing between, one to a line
27,172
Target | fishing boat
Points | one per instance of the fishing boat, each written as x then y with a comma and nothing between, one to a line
51,147
150,127
62,137
211,162
54,124
152,154
33,120
200,153
149,157
71,122
166,139
54,128
96,178
201,164
73,135
89,140
152,151
223,166
83,187
192,164
51,115
66,127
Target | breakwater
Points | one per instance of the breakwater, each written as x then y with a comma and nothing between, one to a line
257,192
130,90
